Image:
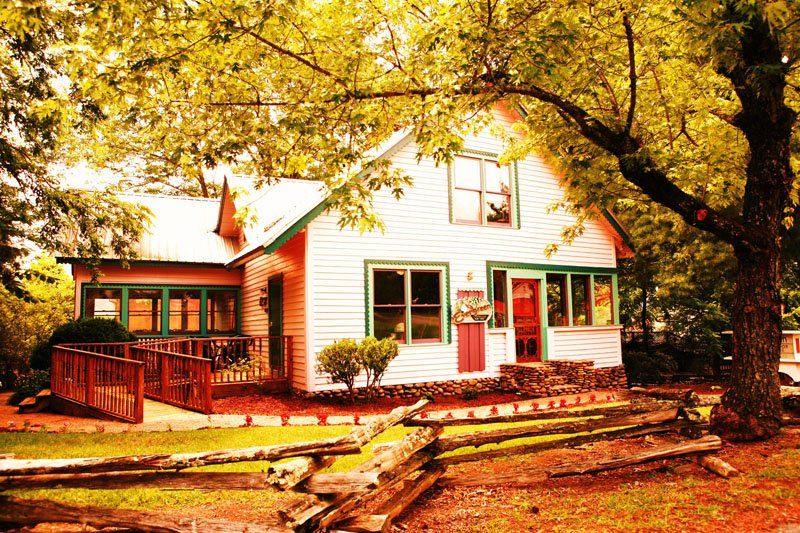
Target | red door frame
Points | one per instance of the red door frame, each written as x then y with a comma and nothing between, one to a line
527,316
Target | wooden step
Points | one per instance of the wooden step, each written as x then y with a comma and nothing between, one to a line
35,404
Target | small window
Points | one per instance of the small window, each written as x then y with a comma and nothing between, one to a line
500,292
104,303
603,301
221,312
407,301
481,192
557,300
581,309
144,311
184,311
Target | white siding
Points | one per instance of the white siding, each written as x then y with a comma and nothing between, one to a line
288,260
418,228
601,344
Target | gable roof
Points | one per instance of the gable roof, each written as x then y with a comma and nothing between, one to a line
282,210
181,230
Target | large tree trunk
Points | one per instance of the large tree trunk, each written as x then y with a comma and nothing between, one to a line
751,408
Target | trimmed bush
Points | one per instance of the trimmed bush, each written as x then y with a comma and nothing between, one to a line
374,356
81,330
341,362
29,384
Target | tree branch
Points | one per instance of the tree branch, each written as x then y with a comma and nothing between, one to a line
632,74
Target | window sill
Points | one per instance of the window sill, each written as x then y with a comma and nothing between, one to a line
587,328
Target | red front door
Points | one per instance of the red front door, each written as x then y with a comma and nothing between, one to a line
527,319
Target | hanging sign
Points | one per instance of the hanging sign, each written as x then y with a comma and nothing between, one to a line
471,309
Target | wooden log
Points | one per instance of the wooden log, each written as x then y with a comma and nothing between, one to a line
687,396
19,513
339,482
369,523
627,433
411,490
714,464
286,475
710,443
348,444
790,421
453,442
628,409
127,480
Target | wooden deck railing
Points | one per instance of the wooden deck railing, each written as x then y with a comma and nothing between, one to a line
176,379
110,385
246,359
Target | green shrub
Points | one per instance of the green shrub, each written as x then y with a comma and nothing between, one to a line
81,330
647,367
374,357
29,384
470,394
340,361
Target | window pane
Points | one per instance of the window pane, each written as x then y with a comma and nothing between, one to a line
221,312
498,208
426,324
498,179
557,299
581,313
184,311
144,311
500,298
104,303
603,301
390,322
390,287
467,173
467,206
425,288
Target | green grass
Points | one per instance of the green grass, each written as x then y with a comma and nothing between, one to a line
68,445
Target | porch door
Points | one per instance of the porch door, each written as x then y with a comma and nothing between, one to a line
527,319
275,327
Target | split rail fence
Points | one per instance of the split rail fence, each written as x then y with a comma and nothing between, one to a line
373,494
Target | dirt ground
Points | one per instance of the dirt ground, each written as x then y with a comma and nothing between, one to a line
667,495
279,404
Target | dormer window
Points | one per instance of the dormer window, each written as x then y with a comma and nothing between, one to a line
481,192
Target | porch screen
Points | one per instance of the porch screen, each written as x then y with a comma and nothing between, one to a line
144,311
184,311
221,312
557,300
581,308
603,300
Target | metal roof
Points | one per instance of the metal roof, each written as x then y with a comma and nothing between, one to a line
181,230
277,209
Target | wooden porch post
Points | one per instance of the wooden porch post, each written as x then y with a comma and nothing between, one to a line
91,375
138,405
165,377
207,392
287,360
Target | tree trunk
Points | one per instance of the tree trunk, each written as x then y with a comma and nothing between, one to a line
645,325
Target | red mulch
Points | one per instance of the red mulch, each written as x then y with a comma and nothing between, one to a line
279,404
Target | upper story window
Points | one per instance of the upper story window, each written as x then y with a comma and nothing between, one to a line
481,192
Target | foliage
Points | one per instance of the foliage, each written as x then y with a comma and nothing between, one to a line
470,393
80,331
25,322
38,109
341,362
647,367
374,357
29,383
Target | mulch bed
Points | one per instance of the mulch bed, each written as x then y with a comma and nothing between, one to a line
280,404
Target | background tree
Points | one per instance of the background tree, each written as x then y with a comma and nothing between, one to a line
37,110
688,105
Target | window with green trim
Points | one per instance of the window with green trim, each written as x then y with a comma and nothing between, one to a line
407,304
603,300
481,191
159,310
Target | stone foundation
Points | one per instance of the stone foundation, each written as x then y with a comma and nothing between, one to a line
538,380
417,390
555,378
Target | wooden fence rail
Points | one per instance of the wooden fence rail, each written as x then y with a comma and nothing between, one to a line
350,501
111,386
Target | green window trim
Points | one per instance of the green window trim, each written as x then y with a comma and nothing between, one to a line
204,290
514,182
374,264
540,271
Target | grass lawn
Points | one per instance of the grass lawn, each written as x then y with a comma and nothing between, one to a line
58,445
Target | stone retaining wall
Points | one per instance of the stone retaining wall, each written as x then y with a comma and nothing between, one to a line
537,380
